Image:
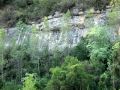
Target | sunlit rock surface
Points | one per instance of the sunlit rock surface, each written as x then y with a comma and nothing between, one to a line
58,38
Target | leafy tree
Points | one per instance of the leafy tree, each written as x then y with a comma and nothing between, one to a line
99,46
99,43
114,66
66,26
41,83
29,82
105,81
46,24
70,76
2,47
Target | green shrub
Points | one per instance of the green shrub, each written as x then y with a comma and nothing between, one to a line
29,82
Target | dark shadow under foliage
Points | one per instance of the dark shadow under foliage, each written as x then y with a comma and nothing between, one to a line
81,51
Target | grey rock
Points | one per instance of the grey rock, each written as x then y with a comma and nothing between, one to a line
75,11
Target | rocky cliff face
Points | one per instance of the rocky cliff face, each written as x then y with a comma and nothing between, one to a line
57,35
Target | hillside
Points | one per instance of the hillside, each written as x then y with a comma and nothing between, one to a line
59,44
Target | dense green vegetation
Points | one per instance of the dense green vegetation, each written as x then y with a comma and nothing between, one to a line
94,64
